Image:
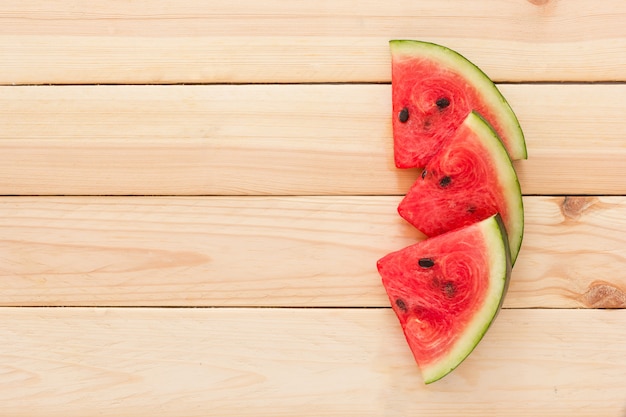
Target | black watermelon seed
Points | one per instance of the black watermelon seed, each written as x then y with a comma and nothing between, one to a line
442,103
445,181
404,115
450,289
471,209
426,263
401,304
423,174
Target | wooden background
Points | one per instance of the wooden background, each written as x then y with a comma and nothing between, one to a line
194,195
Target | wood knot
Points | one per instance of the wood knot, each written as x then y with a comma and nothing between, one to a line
573,207
544,8
601,294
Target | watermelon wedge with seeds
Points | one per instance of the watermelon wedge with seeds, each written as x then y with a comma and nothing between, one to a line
433,89
446,291
469,179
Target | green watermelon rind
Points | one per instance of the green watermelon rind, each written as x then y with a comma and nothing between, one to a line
505,175
507,178
500,267
490,93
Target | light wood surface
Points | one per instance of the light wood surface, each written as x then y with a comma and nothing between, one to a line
158,41
305,362
287,251
278,139
194,194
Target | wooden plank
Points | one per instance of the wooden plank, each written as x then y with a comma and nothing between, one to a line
306,362
278,139
278,251
212,41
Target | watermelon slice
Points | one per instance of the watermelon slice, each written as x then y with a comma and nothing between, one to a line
446,291
433,90
469,179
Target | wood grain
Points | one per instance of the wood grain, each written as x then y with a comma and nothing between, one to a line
278,139
212,41
209,247
279,251
306,362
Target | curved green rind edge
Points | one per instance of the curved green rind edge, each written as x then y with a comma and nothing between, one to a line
507,177
471,72
495,232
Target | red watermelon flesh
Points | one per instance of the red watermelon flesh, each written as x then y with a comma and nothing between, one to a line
433,90
446,291
467,180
